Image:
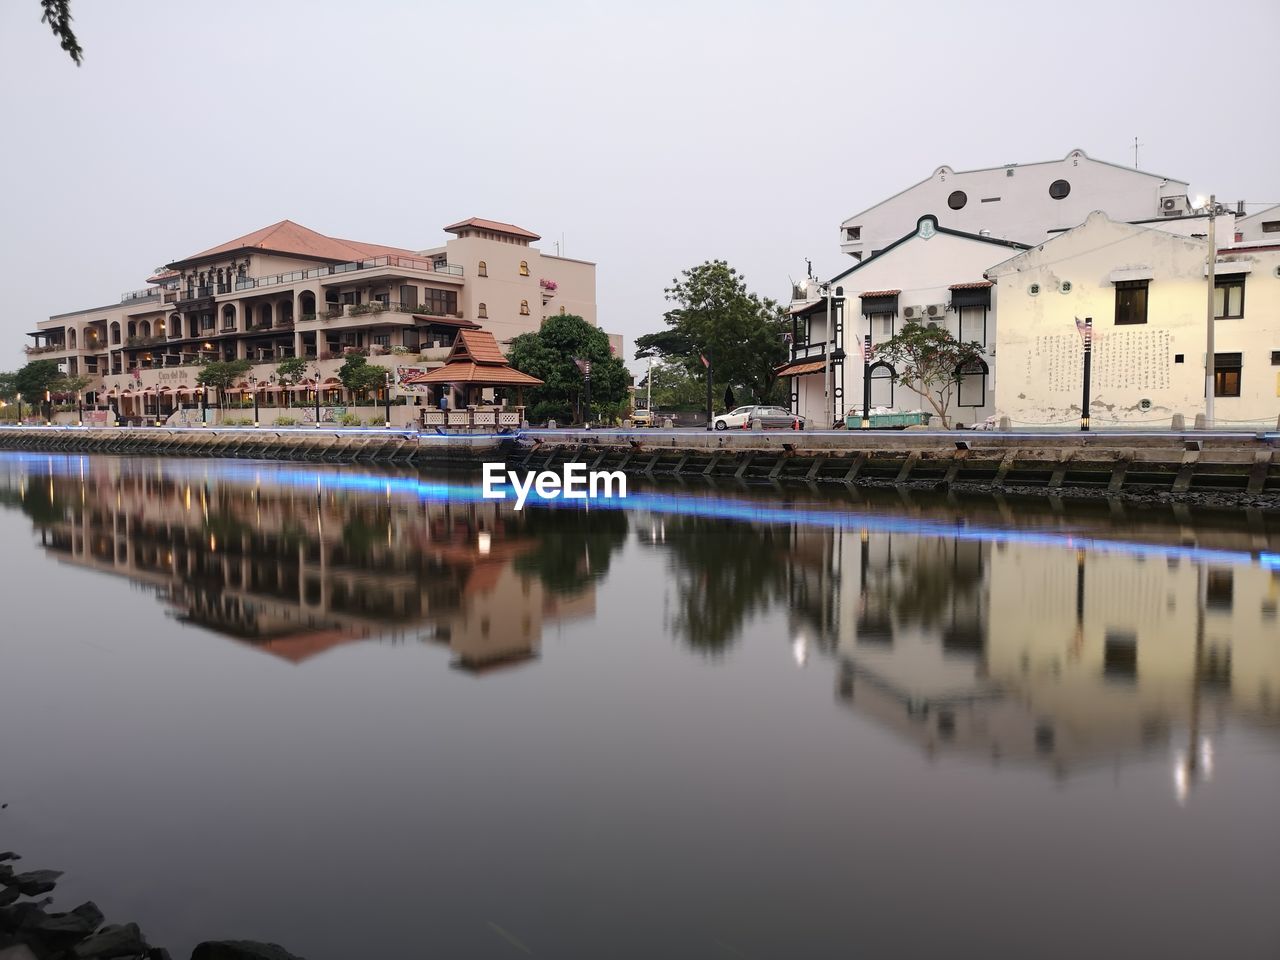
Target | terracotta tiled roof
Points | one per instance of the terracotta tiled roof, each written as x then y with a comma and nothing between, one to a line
468,371
162,275
477,345
292,238
976,285
879,293
800,368
496,226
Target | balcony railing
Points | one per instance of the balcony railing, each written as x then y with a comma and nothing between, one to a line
339,310
815,350
46,348
317,273
143,341
147,293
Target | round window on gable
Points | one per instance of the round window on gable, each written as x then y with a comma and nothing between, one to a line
1065,286
1034,289
957,200
1059,189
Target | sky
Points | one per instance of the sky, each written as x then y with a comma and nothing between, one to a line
648,137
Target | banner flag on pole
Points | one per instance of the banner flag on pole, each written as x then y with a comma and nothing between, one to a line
1085,331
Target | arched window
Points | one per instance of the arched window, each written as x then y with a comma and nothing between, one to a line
972,380
881,384
482,311
115,332
482,270
524,268
524,308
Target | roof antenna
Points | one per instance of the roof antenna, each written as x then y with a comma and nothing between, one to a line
1136,145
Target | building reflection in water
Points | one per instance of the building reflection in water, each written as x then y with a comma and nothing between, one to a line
294,572
1013,650
1007,643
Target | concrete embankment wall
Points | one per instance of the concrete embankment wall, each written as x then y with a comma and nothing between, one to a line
1247,465
1241,465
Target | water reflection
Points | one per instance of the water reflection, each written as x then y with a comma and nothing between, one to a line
871,692
1006,643
295,572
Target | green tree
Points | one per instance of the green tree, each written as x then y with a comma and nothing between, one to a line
359,376
57,14
68,385
928,360
549,355
674,387
715,316
8,385
290,373
35,378
221,374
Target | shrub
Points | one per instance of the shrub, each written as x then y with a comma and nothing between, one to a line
349,420
286,421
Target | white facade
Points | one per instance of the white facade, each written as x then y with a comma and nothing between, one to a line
1146,370
1260,227
915,275
1023,202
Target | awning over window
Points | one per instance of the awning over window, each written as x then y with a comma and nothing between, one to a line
971,294
879,301
801,368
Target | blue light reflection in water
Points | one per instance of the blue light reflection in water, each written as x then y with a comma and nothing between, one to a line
688,504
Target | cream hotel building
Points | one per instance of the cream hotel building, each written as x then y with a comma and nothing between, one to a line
288,291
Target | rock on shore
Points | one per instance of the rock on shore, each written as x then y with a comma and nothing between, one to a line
29,932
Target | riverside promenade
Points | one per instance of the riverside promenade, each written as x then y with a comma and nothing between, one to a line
1225,466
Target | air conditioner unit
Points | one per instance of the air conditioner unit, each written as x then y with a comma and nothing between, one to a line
936,311
912,313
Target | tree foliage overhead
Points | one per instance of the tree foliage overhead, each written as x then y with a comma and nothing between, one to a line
741,333
549,355
927,360
57,14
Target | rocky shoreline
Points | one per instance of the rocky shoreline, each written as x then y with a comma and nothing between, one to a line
29,930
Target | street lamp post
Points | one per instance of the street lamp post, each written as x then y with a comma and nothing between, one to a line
19,409
48,408
79,411
386,395
253,385
866,382
317,398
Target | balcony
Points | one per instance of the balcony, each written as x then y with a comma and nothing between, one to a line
47,348
338,311
338,269
816,350
147,293
143,341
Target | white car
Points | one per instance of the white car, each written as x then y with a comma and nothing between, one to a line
769,417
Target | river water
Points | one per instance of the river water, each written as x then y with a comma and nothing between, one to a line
369,714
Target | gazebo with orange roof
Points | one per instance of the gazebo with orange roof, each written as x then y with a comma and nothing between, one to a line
476,362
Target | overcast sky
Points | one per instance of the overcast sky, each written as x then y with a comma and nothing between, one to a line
652,137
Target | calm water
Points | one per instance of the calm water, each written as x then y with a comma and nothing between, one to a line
366,714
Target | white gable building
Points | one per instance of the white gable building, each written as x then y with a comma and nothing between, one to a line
933,274
1145,290
1023,202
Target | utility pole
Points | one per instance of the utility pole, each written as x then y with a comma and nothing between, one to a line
1208,349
